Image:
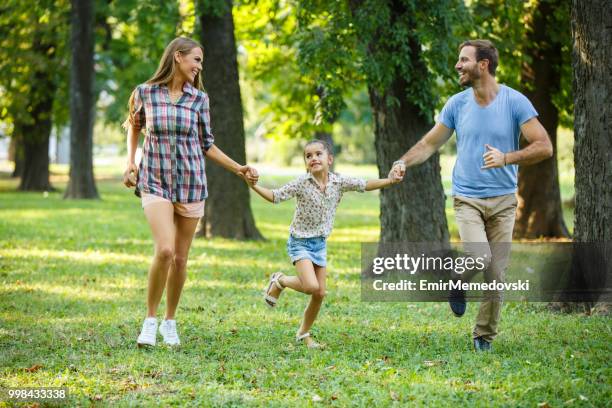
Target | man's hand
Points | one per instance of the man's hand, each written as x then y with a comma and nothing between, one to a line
397,172
248,174
493,158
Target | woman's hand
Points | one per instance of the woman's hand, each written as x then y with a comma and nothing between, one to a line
129,175
248,174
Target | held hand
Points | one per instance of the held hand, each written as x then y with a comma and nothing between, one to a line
248,174
394,180
397,172
493,158
130,175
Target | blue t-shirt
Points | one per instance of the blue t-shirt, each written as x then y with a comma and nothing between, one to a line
499,125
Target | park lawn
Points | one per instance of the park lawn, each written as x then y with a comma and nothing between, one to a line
73,277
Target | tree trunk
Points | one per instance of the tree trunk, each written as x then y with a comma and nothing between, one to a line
82,183
591,61
228,209
539,212
414,210
35,171
16,151
36,132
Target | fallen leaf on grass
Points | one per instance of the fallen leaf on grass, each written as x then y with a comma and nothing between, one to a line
331,367
543,405
129,384
433,363
34,368
334,397
96,398
394,395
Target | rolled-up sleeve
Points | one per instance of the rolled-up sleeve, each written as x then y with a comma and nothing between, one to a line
352,184
287,191
137,117
205,133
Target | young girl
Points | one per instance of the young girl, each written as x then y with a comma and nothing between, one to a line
173,111
318,194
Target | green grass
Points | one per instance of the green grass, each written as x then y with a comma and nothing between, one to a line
73,277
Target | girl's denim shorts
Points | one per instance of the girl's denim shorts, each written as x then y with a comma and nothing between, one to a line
314,249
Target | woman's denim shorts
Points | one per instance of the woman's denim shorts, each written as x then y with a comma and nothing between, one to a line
314,249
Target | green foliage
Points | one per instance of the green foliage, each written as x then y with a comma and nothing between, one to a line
291,102
33,43
132,37
384,41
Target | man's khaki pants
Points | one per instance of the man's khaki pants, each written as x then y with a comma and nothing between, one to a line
485,226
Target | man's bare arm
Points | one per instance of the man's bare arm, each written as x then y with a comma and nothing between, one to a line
423,149
538,149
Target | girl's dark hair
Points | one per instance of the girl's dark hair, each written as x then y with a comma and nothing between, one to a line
323,143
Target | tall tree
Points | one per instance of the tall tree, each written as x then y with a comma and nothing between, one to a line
400,121
539,210
591,61
402,45
82,183
36,130
228,209
31,74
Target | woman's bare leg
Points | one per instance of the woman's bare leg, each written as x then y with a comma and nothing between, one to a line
185,229
160,216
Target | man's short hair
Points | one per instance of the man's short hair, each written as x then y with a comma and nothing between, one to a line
484,50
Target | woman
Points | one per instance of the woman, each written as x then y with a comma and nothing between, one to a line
173,110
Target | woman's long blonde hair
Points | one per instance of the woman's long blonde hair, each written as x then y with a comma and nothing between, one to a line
167,69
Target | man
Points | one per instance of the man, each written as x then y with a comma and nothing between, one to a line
488,119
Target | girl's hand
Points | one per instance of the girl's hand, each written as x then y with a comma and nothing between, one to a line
395,179
129,175
248,174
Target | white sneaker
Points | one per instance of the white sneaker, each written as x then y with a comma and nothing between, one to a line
148,333
168,331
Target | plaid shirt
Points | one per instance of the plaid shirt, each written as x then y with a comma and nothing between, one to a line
177,135
315,210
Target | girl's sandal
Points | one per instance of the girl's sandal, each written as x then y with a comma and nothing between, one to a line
312,345
270,300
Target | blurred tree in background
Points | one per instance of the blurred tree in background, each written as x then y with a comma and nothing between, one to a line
81,183
33,77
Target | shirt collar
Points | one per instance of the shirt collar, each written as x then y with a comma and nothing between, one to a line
331,177
187,87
